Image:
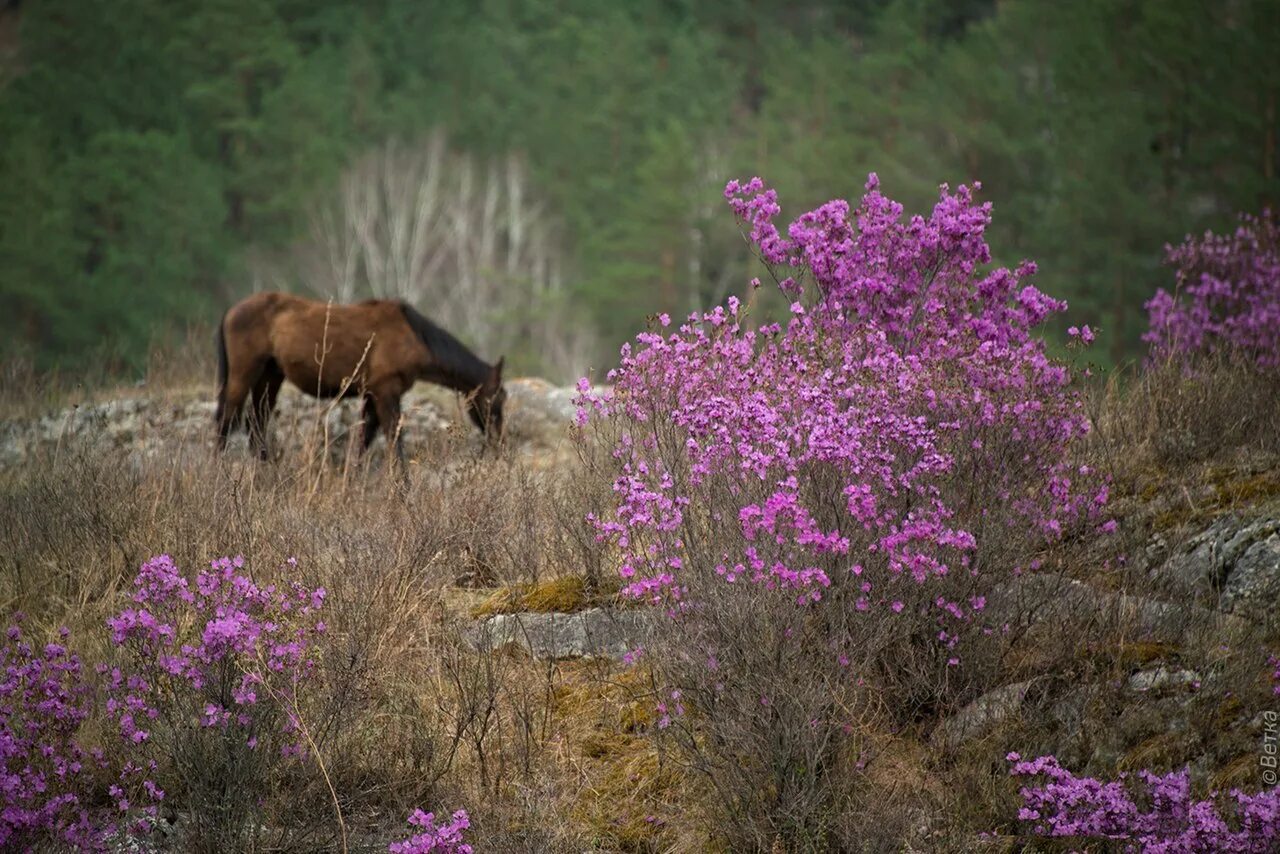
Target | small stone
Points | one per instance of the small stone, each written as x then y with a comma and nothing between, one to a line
1160,678
982,715
593,633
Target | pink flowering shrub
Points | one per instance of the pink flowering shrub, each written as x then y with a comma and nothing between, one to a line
831,501
431,837
1227,296
905,417
210,685
1161,819
43,769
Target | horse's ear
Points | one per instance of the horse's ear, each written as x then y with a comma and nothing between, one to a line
497,370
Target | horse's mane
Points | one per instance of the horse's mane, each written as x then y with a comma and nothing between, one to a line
451,354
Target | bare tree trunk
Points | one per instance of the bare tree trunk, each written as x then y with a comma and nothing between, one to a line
463,241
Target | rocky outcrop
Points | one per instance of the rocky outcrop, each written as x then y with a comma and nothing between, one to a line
1046,598
1234,564
1162,686
538,416
1162,678
593,633
982,715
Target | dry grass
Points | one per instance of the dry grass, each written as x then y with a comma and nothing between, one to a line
413,717
1170,415
569,756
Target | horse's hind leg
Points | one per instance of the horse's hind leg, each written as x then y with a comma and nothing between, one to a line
229,405
265,392
368,423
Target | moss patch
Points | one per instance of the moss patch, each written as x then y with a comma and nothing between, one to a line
563,594
1248,490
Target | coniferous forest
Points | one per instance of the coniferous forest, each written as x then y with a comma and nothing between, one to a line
164,158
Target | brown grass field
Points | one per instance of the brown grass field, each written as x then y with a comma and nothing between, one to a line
565,755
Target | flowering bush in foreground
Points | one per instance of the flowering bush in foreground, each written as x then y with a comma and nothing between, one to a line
438,838
1227,295
1163,820
43,701
211,683
873,441
825,506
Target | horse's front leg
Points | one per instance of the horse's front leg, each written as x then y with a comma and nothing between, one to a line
389,415
264,403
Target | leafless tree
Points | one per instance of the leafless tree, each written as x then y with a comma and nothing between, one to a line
465,241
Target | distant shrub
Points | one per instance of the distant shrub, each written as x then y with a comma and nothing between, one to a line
1227,295
210,686
435,838
830,502
1161,817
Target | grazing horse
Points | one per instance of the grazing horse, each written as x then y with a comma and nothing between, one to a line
375,349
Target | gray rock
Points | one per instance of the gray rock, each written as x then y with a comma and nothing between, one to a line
1201,565
1044,597
538,415
981,716
1234,563
1162,678
1252,588
594,633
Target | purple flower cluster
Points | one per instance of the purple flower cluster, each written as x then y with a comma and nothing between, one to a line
1227,295
1164,820
905,407
223,651
437,838
43,701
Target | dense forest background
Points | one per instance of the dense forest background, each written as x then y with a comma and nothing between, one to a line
542,174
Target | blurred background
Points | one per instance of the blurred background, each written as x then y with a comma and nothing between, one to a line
539,176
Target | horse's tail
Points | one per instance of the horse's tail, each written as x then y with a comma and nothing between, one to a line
221,339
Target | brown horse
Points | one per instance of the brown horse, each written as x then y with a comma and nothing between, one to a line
376,349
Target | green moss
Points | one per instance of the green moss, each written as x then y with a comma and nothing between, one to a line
1151,490
563,594
1173,517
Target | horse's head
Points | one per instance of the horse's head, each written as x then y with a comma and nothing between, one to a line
487,402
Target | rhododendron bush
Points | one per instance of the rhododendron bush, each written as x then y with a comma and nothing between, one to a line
43,701
204,696
446,838
903,423
204,692
1227,296
210,683
868,470
1162,818
235,652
